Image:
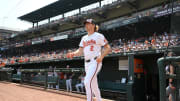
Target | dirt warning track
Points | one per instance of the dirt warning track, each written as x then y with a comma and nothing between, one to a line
15,92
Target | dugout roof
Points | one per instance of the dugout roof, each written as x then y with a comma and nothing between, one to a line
57,8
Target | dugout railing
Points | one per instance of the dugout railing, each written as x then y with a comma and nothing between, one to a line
5,74
163,76
40,78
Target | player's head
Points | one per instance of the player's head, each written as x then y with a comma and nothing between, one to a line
90,25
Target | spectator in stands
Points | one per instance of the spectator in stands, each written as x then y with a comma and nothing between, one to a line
170,90
153,43
146,45
12,61
67,66
81,84
2,63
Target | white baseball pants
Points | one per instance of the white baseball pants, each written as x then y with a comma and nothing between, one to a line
81,85
68,85
92,68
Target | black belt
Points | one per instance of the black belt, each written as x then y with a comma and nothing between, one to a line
90,59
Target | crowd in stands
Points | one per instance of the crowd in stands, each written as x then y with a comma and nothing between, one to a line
143,43
118,46
36,57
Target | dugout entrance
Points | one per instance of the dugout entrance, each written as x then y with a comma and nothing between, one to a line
140,72
146,77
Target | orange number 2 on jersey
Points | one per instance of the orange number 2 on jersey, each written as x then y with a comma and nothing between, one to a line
92,48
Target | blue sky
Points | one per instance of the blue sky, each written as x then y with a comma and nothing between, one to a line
10,10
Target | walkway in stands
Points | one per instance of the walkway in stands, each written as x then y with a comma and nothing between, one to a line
16,92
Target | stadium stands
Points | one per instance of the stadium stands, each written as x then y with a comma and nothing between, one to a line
118,46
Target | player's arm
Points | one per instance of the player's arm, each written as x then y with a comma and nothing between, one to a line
107,49
78,52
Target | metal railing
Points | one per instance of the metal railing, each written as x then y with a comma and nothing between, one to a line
163,76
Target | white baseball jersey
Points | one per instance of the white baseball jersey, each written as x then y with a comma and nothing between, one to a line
82,79
92,44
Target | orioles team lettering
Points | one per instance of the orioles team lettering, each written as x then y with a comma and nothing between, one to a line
90,42
87,43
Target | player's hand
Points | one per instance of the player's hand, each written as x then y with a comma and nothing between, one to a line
70,55
99,59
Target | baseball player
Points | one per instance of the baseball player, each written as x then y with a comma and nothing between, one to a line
81,84
91,45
